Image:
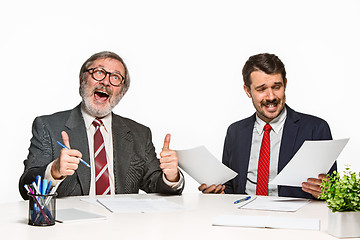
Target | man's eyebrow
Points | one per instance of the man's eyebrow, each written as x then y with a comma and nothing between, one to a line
275,83
260,86
116,71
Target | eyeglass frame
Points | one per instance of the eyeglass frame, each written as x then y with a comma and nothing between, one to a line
107,73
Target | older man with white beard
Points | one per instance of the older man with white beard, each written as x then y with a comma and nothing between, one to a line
118,152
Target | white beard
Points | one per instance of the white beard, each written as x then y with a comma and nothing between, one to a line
93,110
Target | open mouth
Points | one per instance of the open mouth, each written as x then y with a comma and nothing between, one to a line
101,96
271,107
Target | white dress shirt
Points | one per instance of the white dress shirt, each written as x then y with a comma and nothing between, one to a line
106,132
277,126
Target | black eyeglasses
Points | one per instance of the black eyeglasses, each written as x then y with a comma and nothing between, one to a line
99,74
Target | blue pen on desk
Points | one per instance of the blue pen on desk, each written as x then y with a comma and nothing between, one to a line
242,200
63,146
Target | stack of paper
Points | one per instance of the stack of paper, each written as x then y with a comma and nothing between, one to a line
267,222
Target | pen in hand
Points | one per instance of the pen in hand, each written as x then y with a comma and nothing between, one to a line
63,146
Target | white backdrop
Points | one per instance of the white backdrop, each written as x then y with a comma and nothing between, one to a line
185,60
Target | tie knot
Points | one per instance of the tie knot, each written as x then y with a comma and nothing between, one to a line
97,122
267,128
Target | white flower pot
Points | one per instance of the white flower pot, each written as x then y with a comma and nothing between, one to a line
344,224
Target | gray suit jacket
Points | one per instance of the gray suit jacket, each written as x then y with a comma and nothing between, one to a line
135,163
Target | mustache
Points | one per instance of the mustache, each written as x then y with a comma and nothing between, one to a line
267,102
103,88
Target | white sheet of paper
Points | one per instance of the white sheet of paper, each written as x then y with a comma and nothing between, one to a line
201,165
313,158
275,204
128,205
267,222
76,215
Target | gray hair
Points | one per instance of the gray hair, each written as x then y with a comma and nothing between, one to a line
100,55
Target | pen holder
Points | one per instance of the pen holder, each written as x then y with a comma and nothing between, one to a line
42,209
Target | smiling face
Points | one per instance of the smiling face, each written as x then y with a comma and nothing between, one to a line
100,97
267,92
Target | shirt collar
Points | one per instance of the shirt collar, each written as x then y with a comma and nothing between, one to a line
88,119
276,124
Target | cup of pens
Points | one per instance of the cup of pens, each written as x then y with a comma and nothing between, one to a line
42,202
42,209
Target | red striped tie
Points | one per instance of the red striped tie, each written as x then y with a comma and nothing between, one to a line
263,167
101,167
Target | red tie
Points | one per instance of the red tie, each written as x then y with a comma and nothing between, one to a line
263,167
101,167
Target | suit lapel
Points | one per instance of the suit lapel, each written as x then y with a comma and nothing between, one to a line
244,150
290,133
78,140
123,151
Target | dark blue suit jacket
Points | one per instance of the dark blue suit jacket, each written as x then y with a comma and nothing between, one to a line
298,128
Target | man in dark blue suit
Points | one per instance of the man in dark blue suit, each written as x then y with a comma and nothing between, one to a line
265,83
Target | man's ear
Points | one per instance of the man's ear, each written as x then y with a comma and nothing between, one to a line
247,91
285,82
122,93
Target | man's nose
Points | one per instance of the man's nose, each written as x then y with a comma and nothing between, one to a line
270,94
106,80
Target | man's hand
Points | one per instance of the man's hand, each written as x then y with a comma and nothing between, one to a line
68,161
169,161
212,189
312,185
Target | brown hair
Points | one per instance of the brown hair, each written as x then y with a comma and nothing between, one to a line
266,62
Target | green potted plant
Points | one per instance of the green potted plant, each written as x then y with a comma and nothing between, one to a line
342,195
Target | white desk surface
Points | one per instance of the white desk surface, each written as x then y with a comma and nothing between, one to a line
194,223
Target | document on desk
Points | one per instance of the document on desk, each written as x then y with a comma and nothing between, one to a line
201,165
76,215
130,205
313,158
279,204
267,222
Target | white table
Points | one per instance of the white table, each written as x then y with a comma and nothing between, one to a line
194,223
